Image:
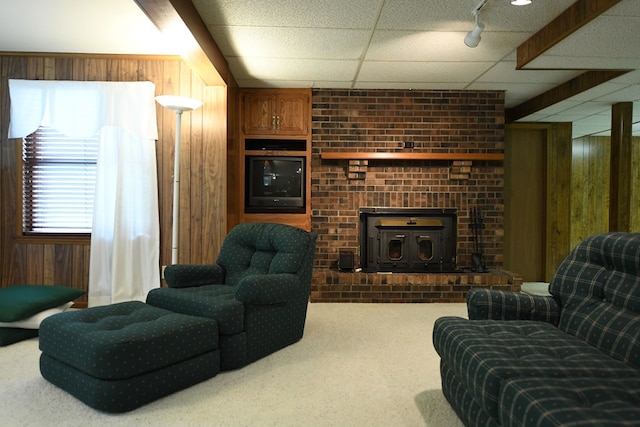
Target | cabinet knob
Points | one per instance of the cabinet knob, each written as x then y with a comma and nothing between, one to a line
273,122
277,122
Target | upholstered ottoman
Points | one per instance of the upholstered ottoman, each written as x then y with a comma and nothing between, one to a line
116,358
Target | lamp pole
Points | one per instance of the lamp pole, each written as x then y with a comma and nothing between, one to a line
179,105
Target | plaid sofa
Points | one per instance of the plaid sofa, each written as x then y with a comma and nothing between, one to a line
572,358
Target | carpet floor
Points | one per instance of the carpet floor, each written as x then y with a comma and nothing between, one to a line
357,365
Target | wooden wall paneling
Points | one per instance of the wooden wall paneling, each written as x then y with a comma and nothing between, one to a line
35,68
62,263
196,161
579,187
188,122
635,184
214,191
164,153
35,255
63,67
155,71
16,269
233,157
4,166
63,267
558,232
49,263
598,198
589,187
524,200
79,277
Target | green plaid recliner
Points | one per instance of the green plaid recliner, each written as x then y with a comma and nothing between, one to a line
257,291
572,358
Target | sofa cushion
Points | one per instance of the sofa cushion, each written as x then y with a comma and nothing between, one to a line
212,301
578,402
483,354
598,286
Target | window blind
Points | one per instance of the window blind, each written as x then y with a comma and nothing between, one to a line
58,182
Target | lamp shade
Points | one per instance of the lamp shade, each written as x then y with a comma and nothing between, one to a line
178,103
472,39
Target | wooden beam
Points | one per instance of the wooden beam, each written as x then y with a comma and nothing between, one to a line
583,82
180,20
575,17
620,167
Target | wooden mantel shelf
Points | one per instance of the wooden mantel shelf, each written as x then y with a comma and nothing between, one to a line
401,155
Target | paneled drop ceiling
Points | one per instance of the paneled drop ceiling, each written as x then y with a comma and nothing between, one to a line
367,44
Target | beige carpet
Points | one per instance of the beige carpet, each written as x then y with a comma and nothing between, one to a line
357,365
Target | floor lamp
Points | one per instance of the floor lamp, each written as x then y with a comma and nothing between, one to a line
178,104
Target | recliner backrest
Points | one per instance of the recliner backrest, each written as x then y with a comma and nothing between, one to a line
262,248
598,288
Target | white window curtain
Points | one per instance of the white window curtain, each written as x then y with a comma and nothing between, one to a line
125,238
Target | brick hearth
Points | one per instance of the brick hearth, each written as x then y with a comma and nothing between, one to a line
330,285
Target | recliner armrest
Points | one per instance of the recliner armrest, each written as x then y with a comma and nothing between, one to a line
188,275
268,288
489,304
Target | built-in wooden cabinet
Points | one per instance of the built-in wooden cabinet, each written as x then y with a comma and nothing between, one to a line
274,124
276,112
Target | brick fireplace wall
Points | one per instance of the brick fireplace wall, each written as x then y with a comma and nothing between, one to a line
445,121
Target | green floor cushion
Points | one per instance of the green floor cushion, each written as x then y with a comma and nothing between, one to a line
13,335
22,301
24,307
33,322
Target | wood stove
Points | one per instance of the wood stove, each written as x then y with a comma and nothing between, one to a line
408,240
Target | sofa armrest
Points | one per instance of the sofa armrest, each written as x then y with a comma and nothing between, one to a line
489,304
268,288
189,275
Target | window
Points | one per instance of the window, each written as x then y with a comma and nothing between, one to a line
58,183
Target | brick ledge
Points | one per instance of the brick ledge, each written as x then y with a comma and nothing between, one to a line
329,285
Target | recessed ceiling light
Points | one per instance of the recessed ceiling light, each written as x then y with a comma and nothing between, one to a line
520,2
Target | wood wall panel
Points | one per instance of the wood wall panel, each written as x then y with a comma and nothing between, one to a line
635,184
590,187
524,201
203,161
558,204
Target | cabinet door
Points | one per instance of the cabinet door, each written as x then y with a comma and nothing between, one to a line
259,114
292,114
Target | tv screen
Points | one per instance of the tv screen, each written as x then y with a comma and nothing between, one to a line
275,184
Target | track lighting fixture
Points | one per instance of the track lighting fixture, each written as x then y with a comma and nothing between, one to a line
472,39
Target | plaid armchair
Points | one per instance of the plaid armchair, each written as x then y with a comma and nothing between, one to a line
569,358
257,291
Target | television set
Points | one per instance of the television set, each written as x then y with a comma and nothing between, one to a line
275,184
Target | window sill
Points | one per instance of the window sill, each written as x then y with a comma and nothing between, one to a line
55,239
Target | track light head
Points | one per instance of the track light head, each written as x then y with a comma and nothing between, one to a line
472,39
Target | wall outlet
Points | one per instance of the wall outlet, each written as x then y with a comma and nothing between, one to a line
408,144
